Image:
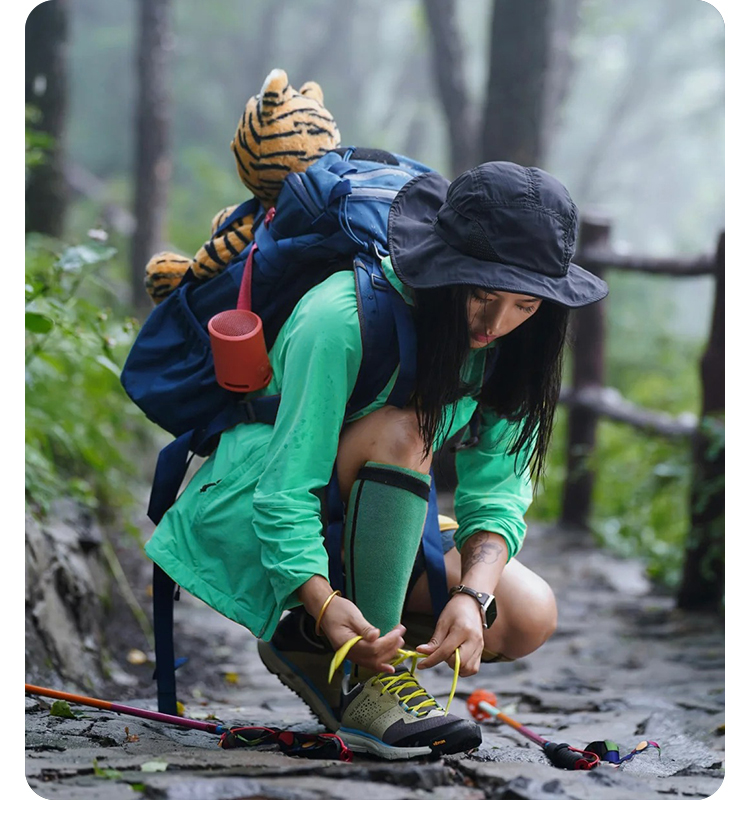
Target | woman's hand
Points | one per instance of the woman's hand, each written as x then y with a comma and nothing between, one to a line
342,621
460,625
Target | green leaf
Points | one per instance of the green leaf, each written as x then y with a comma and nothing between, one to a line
109,365
61,708
38,323
154,766
78,256
112,774
669,469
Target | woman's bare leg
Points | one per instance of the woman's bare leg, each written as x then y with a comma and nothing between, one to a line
389,436
527,612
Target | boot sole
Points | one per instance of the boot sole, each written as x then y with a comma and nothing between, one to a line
453,741
294,679
368,744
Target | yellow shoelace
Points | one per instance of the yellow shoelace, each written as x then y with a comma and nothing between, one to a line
397,682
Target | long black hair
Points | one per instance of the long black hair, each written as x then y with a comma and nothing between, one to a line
525,383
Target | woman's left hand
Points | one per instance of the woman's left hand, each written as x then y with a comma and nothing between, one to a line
459,626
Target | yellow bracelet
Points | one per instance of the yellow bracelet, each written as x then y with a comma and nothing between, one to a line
324,608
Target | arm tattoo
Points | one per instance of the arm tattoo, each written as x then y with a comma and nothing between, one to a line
481,548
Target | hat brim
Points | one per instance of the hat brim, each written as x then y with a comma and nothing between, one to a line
421,259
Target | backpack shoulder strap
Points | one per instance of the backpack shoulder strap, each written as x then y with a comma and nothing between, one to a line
388,337
432,551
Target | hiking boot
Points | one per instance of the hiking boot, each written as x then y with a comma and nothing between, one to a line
392,716
301,661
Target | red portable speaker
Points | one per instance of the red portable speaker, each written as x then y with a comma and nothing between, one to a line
239,351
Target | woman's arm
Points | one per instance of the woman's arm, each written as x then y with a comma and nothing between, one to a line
483,558
491,495
491,500
342,620
318,360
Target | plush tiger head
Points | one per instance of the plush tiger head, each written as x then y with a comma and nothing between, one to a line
281,130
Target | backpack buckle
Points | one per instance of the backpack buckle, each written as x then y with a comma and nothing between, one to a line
247,411
376,251
379,282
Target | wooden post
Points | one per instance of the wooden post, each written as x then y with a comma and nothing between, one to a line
588,371
702,586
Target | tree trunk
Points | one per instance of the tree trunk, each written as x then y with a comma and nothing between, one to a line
152,161
46,89
448,70
565,24
519,62
702,585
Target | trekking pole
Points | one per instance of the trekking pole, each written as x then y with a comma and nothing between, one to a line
186,723
322,746
481,704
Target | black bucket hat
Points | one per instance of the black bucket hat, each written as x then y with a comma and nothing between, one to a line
499,226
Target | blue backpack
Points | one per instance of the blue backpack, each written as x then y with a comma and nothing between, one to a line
333,216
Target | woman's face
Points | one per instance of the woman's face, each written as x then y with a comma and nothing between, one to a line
494,313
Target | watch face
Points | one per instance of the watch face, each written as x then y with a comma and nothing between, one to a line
491,613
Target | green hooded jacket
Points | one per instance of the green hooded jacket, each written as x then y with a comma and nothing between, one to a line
246,531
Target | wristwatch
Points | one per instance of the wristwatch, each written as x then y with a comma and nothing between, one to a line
486,603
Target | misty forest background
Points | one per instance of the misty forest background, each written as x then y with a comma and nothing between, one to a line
630,117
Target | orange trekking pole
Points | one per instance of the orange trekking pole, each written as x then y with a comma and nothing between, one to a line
481,704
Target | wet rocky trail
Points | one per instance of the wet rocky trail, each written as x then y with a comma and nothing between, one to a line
623,666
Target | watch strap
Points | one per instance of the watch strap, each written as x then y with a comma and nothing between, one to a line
484,599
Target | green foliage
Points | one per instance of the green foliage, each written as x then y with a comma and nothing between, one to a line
79,423
38,144
641,495
110,774
708,533
61,708
641,498
643,482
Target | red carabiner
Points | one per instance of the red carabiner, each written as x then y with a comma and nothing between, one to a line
588,760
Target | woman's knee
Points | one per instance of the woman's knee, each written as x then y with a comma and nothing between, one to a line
527,614
540,621
389,436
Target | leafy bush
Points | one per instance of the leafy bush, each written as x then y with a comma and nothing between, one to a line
38,144
82,432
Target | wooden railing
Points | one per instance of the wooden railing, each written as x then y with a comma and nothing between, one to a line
589,399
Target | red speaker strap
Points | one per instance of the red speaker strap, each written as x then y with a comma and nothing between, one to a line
243,299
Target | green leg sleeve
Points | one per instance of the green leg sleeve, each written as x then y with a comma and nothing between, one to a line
384,522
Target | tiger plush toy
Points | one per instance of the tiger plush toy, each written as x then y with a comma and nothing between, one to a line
281,130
